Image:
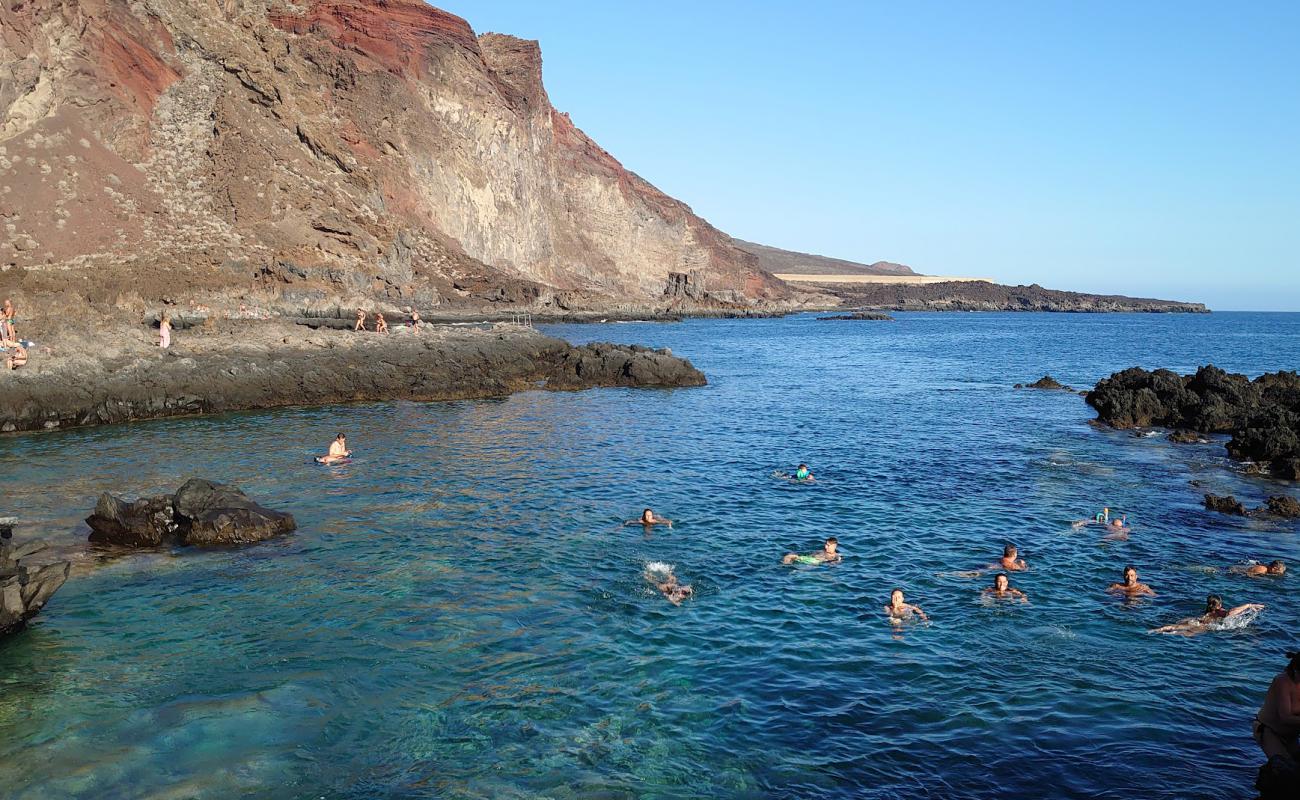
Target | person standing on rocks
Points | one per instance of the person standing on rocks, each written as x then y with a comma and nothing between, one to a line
416,322
361,320
165,331
338,451
8,318
381,324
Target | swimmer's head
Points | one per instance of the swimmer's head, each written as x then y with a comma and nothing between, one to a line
647,515
803,467
1277,568
1130,575
1009,551
1213,603
340,437
1001,582
831,544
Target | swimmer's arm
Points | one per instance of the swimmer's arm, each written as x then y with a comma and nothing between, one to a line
920,613
1243,608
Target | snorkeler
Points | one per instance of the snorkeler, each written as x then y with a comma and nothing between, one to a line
827,555
803,475
1103,516
1001,589
1276,568
661,576
648,519
1276,727
898,610
338,451
1214,612
1131,586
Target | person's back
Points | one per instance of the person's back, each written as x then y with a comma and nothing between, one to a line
1277,724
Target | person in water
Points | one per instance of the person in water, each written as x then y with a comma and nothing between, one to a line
1276,727
1103,516
1009,560
648,519
1276,568
1131,586
361,320
1002,590
338,451
828,555
803,475
900,610
1119,530
665,582
1214,612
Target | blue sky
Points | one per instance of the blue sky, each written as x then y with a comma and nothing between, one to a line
1148,148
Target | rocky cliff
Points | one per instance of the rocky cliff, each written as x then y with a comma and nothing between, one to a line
312,154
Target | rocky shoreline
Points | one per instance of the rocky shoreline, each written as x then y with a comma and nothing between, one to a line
235,365
983,296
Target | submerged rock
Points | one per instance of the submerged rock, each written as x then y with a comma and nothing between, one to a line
1225,505
1283,506
201,514
1182,436
1262,415
1045,382
24,588
871,316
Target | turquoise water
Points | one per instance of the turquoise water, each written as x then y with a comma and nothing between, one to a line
461,615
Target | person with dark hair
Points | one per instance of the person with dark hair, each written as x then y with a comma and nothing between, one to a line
803,475
1276,727
1010,560
1276,568
338,451
1214,612
899,610
649,519
827,555
1131,586
1002,590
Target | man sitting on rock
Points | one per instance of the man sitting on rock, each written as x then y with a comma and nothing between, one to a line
338,451
14,352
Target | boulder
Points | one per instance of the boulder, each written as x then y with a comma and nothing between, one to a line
1225,505
869,316
1283,506
209,514
24,588
1045,382
1184,436
201,513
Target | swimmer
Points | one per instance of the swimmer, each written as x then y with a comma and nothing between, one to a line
1214,612
898,610
1009,561
1002,590
827,555
648,519
1131,586
1119,530
1276,727
338,451
1103,516
665,582
1277,568
803,475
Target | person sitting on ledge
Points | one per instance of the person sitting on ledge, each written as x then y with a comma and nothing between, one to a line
381,325
1276,568
15,353
361,320
1002,590
827,555
898,610
1131,586
648,519
1276,728
338,451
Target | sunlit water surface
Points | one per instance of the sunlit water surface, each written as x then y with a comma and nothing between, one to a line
461,615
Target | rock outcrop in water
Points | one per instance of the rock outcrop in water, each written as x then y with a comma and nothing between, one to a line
1225,505
25,588
1046,382
867,316
200,514
1280,506
985,296
1262,415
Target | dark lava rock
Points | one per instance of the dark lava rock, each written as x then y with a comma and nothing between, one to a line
209,514
201,513
1045,382
1186,437
874,316
24,588
1225,505
1283,506
1262,415
605,364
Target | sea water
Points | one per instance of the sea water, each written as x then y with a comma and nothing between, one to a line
463,614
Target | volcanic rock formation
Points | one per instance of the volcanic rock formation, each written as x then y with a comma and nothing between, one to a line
25,588
303,154
201,514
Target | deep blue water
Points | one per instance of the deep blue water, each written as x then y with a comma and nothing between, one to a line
461,615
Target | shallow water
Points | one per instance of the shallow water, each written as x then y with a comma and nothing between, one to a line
461,615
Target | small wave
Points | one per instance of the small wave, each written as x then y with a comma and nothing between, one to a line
658,570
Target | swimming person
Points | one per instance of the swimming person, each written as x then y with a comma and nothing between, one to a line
648,519
1001,589
1009,561
1119,530
803,475
338,451
1276,728
898,610
827,555
1276,568
1131,586
1214,612
661,576
1103,516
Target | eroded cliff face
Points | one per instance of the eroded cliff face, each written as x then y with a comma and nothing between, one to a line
319,153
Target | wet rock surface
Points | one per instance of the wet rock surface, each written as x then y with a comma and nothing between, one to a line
26,585
1046,382
200,514
870,316
1225,505
1283,506
1263,415
239,366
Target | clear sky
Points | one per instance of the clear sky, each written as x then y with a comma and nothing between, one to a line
1148,148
